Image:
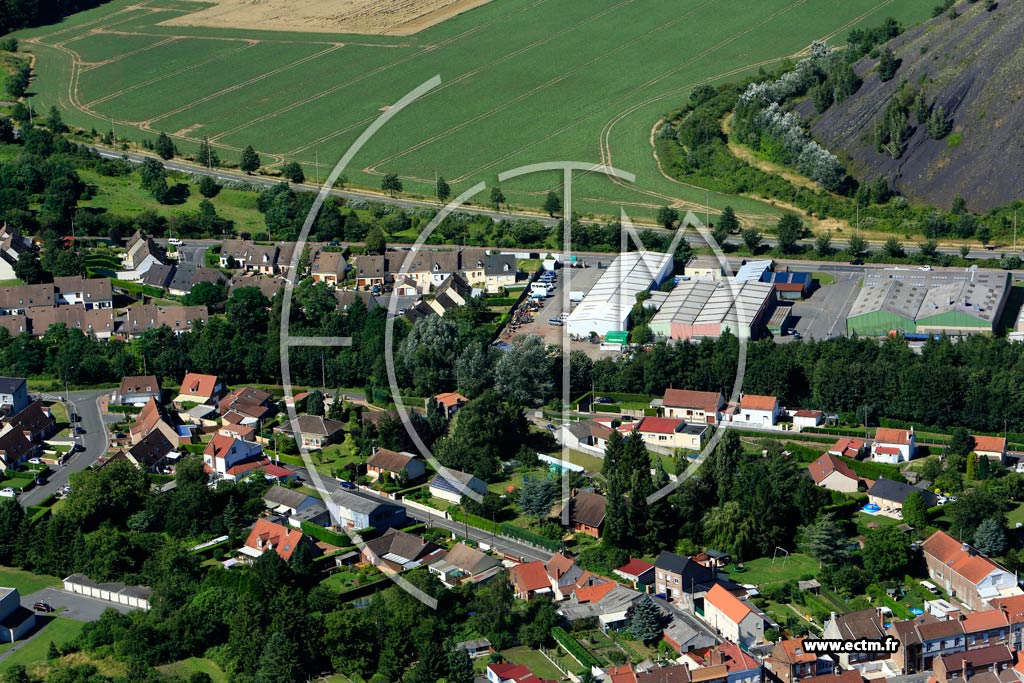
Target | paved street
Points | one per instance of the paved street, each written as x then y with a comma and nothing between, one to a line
96,440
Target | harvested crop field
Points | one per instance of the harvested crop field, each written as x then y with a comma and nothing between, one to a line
374,17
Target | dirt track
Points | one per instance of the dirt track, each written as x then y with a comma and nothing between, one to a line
372,17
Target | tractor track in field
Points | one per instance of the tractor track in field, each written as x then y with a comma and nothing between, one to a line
470,73
89,66
380,69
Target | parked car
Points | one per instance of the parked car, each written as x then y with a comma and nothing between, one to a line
797,335
42,607
35,461
924,268
79,430
8,492
346,484
74,417
603,399
42,479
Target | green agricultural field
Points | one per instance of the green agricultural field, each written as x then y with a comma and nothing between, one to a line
523,81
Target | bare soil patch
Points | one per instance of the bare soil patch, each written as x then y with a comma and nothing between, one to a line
371,17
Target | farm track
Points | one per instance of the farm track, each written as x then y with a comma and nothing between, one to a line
89,66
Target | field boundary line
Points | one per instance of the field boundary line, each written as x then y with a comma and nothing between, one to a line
89,66
477,70
190,67
99,20
359,79
100,29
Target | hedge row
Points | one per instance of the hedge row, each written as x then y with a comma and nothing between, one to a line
573,647
502,301
509,529
325,535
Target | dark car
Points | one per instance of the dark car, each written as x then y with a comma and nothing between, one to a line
42,479
857,262
346,485
79,430
603,399
75,417
42,607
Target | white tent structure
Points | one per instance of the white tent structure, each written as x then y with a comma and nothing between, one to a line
608,304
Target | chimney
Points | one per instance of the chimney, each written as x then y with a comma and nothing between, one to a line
716,656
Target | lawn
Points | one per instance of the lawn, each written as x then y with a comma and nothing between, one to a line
351,577
823,278
502,102
59,630
536,661
1015,516
26,582
186,667
765,571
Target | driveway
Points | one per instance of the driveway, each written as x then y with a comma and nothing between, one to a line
71,605
91,407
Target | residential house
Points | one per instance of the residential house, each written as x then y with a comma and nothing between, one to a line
506,672
154,417
993,664
397,466
89,293
15,621
160,275
833,473
141,318
790,662
620,673
676,673
865,624
669,432
12,245
372,272
450,485
637,573
586,512
14,449
283,540
760,411
685,632
36,422
405,287
223,453
357,512
347,297
451,402
96,322
268,286
451,294
991,447
200,389
698,407
250,257
893,446
13,395
141,254
252,405
837,676
584,434
565,575
24,298
429,268
735,619
153,452
848,447
529,580
808,418
961,571
314,431
395,550
683,581
725,663
499,272
890,496
606,601
463,564
327,267
137,390
186,276
285,501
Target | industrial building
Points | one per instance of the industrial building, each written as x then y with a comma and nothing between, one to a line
913,301
707,309
607,306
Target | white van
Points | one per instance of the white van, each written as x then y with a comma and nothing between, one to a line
174,242
539,288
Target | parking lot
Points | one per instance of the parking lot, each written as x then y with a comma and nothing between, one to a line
823,314
580,280
71,605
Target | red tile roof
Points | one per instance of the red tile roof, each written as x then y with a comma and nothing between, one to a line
529,576
635,567
807,413
708,401
753,402
284,540
947,550
728,604
829,464
990,444
219,445
736,659
794,652
622,673
897,436
659,425
887,450
848,446
983,621
450,399
594,593
196,384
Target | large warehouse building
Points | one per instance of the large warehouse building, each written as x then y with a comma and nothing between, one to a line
911,301
608,304
697,309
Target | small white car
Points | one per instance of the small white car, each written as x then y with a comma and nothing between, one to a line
35,461
8,493
174,242
924,267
